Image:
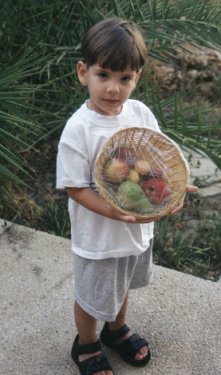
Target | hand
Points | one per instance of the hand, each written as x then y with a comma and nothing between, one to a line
189,189
128,218
134,220
117,215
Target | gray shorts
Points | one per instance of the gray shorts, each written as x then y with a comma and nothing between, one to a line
101,285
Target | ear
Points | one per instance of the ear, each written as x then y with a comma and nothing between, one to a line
82,70
138,75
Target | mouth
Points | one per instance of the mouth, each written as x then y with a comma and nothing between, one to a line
112,101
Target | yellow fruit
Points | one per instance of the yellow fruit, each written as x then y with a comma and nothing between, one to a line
142,167
116,170
133,176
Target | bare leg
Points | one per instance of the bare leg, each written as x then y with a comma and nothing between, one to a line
121,317
86,326
120,321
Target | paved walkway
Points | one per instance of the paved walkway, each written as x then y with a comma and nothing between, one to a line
179,314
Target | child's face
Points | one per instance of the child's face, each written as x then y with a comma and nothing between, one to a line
108,90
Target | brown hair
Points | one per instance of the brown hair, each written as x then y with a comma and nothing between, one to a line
115,44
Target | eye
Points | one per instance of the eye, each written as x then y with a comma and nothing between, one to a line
126,78
102,75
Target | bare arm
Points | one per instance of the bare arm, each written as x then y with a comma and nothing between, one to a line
93,202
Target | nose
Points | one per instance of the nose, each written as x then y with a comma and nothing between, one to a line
113,87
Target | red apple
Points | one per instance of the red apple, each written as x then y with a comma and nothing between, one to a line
156,189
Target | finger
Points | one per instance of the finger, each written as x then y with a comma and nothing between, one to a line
192,189
145,221
128,219
177,209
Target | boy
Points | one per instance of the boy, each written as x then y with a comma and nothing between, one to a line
112,251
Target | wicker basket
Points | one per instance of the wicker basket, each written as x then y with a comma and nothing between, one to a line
152,163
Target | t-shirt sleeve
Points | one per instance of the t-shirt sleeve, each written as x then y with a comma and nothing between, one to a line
150,119
73,165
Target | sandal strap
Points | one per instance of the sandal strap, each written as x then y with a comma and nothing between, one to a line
79,349
89,348
93,365
132,345
117,333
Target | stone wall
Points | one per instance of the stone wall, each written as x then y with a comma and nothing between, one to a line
195,71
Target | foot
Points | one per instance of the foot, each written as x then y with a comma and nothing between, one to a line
90,358
84,357
130,346
143,352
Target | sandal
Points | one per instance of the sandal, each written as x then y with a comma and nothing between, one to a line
127,348
91,365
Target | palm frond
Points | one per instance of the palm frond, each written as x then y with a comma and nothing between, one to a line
38,83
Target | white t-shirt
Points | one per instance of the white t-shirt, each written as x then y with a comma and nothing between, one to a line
94,236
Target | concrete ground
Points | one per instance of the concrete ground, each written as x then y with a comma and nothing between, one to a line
204,173
179,314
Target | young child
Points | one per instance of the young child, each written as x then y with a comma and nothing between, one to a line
112,251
